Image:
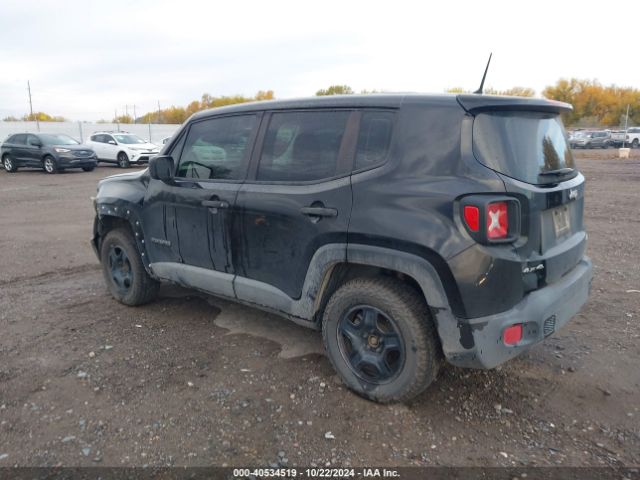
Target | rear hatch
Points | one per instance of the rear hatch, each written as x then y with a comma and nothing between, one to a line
525,143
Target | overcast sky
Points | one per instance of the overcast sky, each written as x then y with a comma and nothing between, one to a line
87,58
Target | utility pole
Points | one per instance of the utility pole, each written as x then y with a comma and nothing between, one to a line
31,106
158,111
126,110
626,123
134,114
116,119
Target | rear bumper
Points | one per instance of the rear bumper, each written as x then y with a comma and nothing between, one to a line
541,312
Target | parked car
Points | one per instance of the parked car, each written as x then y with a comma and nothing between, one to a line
633,137
617,138
122,148
596,139
52,152
407,228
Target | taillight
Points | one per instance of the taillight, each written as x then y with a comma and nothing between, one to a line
497,220
472,217
491,219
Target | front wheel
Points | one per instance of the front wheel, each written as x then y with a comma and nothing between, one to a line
88,169
9,164
126,277
380,338
49,165
123,160
635,143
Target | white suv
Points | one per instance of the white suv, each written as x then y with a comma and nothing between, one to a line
633,137
123,148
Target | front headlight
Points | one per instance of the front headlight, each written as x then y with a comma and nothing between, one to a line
62,150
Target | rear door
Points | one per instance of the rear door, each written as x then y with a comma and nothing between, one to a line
297,197
18,149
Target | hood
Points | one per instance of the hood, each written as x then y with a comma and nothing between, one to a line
75,148
144,146
124,177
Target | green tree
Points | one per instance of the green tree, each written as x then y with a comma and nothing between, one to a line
335,90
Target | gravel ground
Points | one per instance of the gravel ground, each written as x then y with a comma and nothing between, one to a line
194,380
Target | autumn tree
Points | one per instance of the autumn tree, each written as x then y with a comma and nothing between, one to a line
177,115
123,119
36,116
595,104
335,90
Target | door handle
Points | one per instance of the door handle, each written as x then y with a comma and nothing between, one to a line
215,204
319,212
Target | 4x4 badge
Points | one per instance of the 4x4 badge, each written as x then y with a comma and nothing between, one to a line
540,266
161,241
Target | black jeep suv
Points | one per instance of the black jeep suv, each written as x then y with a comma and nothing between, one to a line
407,228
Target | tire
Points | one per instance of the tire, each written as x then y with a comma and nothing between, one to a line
49,165
88,169
126,277
605,146
388,306
635,143
123,160
9,164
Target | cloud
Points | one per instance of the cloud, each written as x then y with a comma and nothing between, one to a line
86,58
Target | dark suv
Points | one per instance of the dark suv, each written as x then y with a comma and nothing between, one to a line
407,228
52,152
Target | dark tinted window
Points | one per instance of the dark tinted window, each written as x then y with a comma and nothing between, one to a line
302,146
33,140
20,139
217,148
522,145
374,139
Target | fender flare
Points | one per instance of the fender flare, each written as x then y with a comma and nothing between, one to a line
122,210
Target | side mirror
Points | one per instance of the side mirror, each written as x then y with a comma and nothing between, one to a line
161,168
112,142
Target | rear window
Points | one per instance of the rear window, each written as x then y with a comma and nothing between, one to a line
522,145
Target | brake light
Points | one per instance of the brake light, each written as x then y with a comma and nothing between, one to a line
472,217
497,220
512,335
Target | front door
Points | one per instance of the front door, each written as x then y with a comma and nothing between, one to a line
297,197
33,151
198,208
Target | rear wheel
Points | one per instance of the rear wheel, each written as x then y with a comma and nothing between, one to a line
49,165
126,277
9,164
88,169
123,160
635,143
380,338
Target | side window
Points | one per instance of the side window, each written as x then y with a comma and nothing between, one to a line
95,138
302,146
108,138
19,139
32,140
176,149
374,139
217,148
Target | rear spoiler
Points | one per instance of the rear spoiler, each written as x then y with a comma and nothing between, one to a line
481,103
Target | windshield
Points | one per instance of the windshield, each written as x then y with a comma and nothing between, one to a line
522,145
59,139
129,139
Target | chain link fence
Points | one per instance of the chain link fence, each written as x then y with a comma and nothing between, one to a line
82,130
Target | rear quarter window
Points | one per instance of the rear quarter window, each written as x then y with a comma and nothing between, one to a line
374,139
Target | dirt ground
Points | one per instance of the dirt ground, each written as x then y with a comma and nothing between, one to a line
190,380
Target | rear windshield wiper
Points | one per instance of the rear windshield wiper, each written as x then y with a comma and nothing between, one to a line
557,173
